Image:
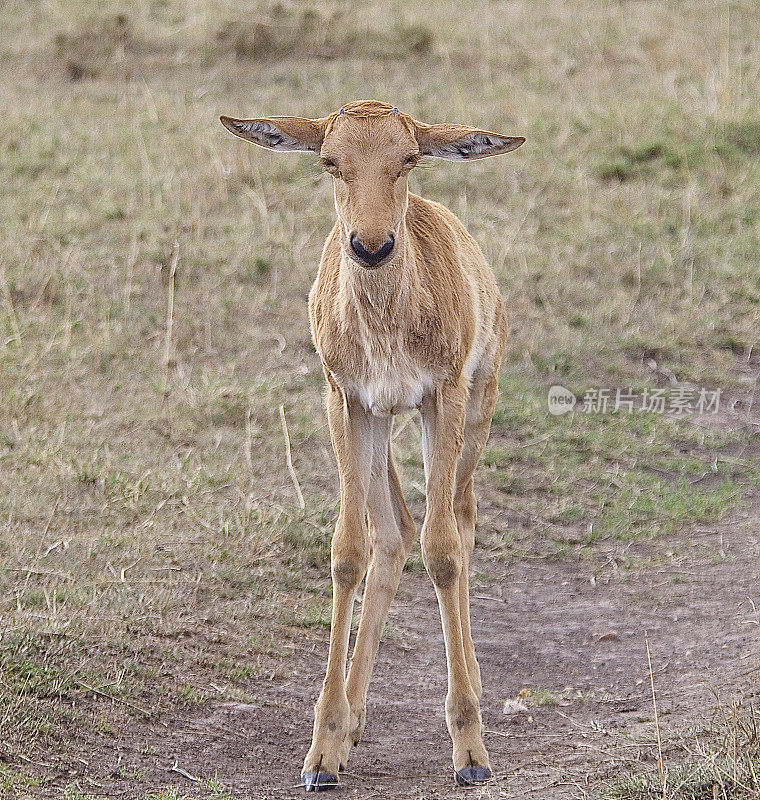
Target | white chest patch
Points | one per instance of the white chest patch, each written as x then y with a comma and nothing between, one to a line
395,393
390,382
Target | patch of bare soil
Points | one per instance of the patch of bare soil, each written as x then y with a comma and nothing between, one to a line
576,643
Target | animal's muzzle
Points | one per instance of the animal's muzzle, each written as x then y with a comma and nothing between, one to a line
372,258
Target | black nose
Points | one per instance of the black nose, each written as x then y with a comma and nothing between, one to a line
373,258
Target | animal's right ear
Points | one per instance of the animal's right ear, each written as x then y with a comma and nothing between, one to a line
280,133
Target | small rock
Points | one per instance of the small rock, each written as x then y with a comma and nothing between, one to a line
514,707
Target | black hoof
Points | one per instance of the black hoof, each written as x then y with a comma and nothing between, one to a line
469,776
319,781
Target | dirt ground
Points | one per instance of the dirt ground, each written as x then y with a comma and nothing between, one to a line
547,625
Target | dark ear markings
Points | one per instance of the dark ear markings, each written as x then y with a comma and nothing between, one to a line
267,134
264,130
458,143
482,145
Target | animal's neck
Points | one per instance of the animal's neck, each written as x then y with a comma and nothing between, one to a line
384,294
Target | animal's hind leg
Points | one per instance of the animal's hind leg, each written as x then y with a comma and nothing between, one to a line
391,535
480,408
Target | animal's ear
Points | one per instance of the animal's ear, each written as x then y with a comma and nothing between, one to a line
280,133
460,143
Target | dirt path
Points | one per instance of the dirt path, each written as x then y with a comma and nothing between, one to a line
544,625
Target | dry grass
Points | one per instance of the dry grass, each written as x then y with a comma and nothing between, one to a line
151,531
722,762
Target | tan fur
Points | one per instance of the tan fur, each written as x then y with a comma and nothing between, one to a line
425,329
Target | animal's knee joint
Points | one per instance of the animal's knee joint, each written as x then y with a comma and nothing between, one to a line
444,564
348,571
393,550
465,504
442,549
443,570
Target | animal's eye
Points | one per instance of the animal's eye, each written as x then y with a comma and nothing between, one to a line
407,164
331,167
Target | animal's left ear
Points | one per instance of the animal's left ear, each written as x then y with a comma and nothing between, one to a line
280,133
460,143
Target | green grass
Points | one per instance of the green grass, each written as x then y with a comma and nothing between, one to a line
591,478
161,528
540,696
13,782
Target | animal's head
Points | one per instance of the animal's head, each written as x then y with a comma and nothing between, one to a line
370,148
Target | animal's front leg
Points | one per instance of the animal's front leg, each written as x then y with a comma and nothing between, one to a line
444,555
351,432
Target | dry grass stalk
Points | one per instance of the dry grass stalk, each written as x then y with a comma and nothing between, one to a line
660,764
289,459
170,280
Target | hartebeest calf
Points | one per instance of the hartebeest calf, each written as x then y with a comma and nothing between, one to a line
405,314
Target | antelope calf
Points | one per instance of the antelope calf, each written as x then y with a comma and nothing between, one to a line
405,314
